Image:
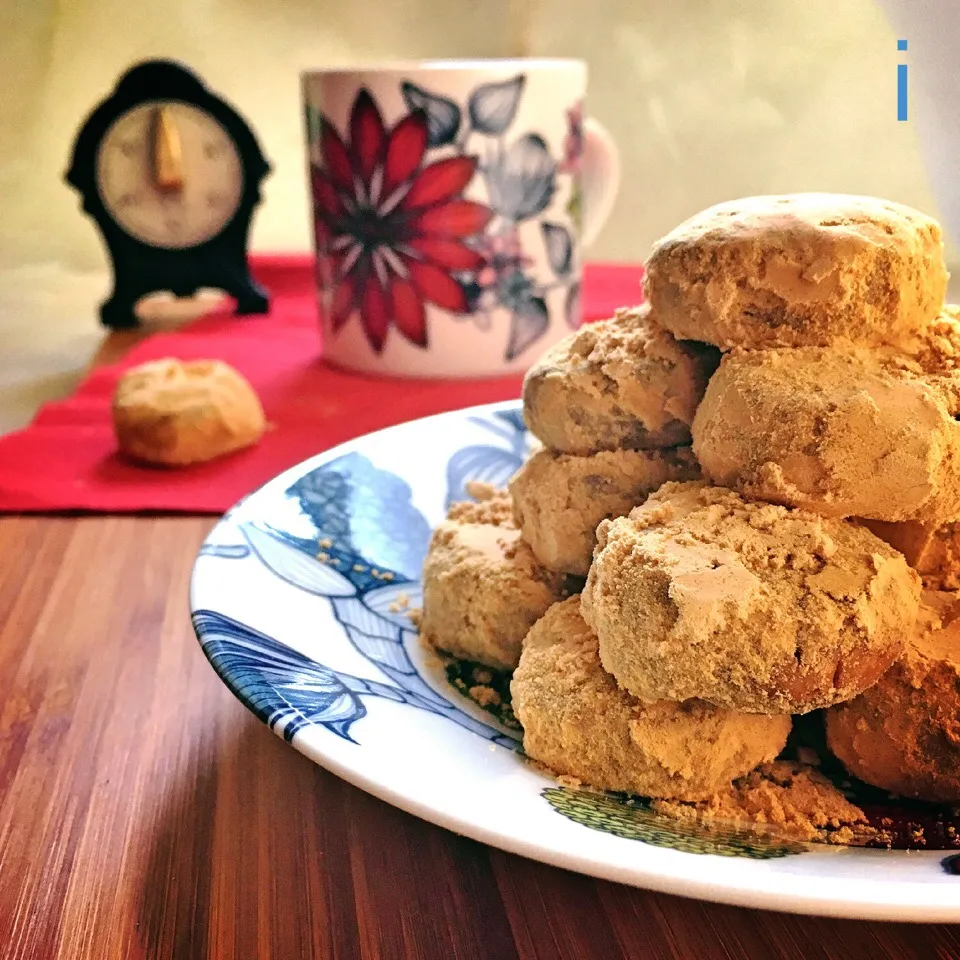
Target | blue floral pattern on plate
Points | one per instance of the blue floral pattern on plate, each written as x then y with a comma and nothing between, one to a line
488,463
363,557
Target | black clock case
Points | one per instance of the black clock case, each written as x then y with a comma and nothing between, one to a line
140,268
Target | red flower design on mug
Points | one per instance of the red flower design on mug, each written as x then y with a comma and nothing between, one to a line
393,233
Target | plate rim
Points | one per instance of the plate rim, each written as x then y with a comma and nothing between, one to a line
944,909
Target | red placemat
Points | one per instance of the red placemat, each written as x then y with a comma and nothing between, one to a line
66,459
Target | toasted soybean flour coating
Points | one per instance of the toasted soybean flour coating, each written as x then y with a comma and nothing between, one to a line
579,722
753,470
619,384
482,586
699,593
904,733
559,499
841,432
797,270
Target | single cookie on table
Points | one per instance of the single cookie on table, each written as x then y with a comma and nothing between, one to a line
175,413
578,722
559,499
903,734
617,384
482,586
804,269
853,432
698,593
934,552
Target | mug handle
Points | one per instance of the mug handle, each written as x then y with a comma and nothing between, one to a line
600,179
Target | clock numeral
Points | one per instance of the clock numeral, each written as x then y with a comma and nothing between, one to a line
212,149
129,148
216,200
173,226
128,200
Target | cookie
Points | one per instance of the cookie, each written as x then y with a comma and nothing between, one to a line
559,499
936,348
903,734
934,552
854,432
578,722
482,586
698,593
804,269
616,384
175,413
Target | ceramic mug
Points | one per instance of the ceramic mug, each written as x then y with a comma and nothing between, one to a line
452,202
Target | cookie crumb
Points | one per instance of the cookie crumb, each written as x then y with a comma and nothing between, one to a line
496,510
485,696
400,604
480,490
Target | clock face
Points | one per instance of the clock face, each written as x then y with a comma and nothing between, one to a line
169,174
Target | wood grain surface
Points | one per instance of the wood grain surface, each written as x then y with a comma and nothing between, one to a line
144,813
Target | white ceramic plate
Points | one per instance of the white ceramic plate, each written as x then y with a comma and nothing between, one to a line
298,600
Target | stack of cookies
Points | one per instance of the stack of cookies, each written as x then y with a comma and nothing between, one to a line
756,531
612,405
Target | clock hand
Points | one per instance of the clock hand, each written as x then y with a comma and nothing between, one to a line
165,151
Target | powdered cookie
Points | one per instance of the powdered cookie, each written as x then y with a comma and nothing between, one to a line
798,270
482,585
559,499
844,433
903,734
174,413
934,552
936,348
616,384
578,722
699,593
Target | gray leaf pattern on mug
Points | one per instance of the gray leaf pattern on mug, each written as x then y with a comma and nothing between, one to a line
312,120
514,289
443,115
571,307
523,179
559,244
493,106
529,323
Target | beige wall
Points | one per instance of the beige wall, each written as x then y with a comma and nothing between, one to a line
708,99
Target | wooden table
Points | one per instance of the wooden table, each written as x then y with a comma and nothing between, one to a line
144,813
